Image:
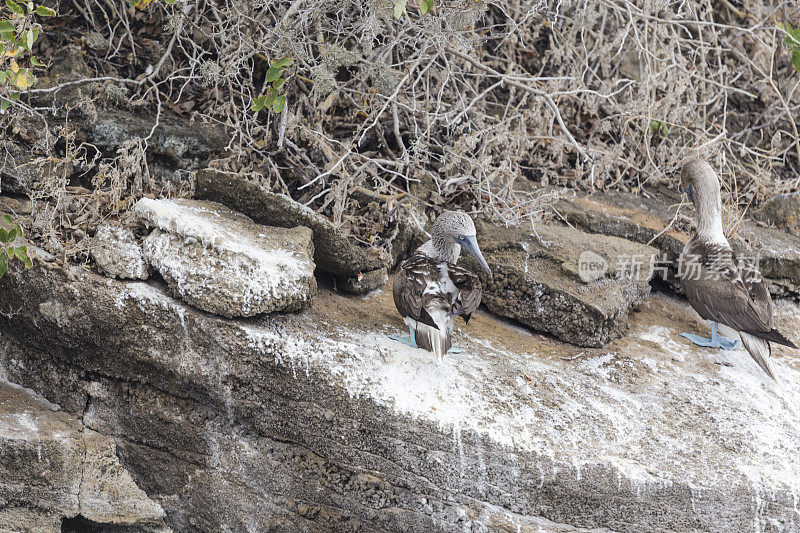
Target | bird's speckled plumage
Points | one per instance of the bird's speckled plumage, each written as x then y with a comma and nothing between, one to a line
713,284
430,290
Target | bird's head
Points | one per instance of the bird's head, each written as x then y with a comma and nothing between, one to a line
456,227
699,176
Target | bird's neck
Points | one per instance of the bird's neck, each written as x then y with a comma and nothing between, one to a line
709,215
441,250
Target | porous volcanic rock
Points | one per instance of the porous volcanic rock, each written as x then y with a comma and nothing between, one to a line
333,252
537,280
220,261
117,252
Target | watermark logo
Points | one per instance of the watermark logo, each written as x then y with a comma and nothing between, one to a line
591,266
714,266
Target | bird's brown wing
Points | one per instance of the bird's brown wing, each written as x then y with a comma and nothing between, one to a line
717,291
469,291
414,276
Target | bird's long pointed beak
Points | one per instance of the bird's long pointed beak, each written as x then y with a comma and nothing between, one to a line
690,192
470,244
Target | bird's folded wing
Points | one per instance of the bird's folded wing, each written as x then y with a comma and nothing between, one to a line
719,293
469,295
411,288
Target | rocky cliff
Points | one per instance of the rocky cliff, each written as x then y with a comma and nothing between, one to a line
315,421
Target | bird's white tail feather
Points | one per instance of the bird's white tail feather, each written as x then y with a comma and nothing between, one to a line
761,352
432,339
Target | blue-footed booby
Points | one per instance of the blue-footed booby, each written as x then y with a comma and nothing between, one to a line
430,290
713,283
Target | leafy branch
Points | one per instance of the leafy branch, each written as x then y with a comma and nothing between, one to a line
792,40
273,99
18,33
657,127
10,231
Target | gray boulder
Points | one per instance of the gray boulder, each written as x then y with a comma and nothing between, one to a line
53,468
553,284
118,254
220,261
782,211
333,252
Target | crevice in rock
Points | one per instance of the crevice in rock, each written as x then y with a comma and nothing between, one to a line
80,524
82,469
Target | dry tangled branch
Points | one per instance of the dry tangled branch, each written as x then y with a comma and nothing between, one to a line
481,105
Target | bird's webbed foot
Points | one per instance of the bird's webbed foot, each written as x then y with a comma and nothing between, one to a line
410,340
716,340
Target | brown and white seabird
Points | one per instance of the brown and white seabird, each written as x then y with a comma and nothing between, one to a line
430,290
713,283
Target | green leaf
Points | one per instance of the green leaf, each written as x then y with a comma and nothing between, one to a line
7,30
259,103
169,2
282,62
5,105
3,263
399,8
659,128
8,219
279,104
15,7
425,6
15,96
273,74
30,38
792,38
3,235
271,95
278,83
45,11
36,63
796,60
21,253
12,235
134,3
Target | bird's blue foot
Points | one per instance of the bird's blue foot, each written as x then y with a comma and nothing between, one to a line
405,340
410,340
716,340
453,349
